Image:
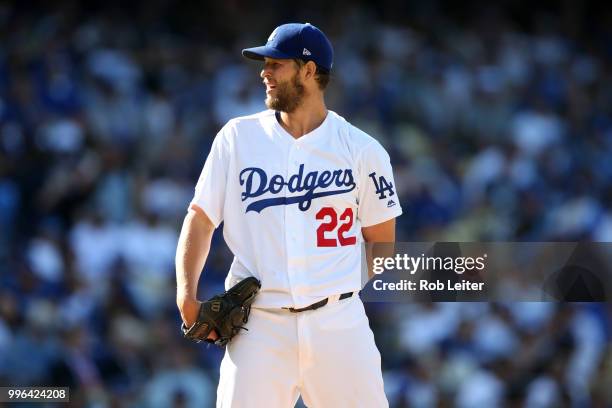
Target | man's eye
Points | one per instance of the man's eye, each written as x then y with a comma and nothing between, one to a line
272,65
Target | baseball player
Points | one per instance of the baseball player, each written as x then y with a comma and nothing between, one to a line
298,189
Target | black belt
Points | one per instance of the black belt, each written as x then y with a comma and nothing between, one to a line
318,304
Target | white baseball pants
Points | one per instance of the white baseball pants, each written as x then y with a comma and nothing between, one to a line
327,355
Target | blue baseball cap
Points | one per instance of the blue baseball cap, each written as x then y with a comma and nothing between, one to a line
295,40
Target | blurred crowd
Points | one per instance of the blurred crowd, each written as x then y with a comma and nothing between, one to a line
499,125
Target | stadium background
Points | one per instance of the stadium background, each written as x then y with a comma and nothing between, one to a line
498,119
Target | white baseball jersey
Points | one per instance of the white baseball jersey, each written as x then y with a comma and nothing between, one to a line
293,209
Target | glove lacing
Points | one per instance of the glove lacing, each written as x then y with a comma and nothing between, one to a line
245,319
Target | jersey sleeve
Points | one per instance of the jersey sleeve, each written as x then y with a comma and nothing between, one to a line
210,190
378,200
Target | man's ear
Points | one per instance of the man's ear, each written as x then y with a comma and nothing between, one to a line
310,69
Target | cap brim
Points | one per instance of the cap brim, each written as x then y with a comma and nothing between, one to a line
259,53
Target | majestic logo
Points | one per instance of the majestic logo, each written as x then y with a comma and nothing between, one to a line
382,186
390,203
256,183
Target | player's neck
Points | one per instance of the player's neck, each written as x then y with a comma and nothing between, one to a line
304,119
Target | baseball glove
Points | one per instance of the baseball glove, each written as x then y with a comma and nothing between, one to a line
226,313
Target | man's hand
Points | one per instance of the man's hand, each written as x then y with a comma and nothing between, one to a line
189,309
219,319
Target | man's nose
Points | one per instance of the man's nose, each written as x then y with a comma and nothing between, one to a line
265,73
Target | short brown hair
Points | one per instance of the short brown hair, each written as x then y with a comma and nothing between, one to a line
322,76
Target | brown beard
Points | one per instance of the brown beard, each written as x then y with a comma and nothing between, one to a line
289,96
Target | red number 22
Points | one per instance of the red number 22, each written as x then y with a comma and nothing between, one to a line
329,226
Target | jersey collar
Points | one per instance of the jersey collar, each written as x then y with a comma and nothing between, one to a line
309,137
